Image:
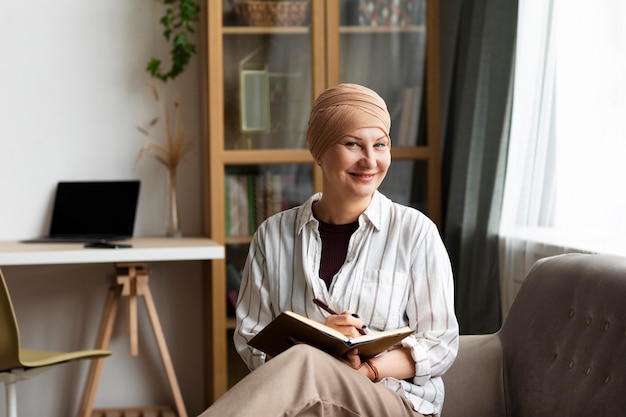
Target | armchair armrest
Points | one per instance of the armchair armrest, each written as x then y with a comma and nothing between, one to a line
474,384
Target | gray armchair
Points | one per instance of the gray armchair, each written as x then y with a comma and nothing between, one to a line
560,352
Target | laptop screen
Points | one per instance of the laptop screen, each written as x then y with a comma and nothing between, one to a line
95,209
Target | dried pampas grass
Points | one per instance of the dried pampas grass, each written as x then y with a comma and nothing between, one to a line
176,142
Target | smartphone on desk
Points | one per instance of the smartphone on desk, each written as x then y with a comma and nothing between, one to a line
107,245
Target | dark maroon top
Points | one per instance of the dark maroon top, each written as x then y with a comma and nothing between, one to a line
335,239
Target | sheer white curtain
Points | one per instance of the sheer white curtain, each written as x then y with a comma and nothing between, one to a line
565,185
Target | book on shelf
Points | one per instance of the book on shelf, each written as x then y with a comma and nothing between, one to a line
250,199
237,205
238,208
280,334
233,282
259,200
251,204
273,193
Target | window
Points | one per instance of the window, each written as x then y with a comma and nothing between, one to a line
565,189
590,131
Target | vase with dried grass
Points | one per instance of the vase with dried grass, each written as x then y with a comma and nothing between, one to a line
177,144
179,23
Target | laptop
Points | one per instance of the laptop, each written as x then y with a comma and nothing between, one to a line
92,211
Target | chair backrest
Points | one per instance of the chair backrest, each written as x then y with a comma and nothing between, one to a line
9,332
564,339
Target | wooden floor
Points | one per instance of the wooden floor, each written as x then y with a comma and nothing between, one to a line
152,411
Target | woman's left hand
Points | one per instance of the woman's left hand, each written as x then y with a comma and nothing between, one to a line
352,358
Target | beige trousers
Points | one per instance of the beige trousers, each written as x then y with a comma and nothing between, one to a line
304,381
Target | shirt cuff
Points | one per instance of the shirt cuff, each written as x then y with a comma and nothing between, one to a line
420,357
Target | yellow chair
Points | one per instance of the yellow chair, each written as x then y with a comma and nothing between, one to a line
17,363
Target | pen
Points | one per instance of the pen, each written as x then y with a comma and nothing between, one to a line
321,304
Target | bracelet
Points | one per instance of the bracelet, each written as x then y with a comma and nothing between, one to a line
373,368
360,366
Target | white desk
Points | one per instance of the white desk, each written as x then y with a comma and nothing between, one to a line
144,249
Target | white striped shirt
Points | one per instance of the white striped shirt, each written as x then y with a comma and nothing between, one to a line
397,273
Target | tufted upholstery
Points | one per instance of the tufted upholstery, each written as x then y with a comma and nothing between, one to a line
560,352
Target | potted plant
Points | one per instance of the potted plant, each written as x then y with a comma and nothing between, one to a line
179,23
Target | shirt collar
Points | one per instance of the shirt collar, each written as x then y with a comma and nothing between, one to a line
373,214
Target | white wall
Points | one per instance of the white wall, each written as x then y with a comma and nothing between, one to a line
72,90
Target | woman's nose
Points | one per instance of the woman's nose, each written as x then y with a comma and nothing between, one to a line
368,158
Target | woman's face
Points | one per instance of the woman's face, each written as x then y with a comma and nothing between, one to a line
357,164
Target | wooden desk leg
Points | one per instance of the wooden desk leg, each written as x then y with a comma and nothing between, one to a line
102,342
127,277
143,289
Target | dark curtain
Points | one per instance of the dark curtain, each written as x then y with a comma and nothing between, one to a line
478,44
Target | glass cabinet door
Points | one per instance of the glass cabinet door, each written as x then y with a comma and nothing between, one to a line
267,74
382,44
266,61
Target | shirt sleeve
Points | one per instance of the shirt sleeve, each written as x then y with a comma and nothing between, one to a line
253,303
430,309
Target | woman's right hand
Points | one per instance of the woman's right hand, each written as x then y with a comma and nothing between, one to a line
345,323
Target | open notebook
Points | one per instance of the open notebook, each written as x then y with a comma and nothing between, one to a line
92,211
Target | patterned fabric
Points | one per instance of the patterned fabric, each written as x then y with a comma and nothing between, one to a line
390,12
397,272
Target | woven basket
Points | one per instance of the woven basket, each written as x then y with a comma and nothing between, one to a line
273,13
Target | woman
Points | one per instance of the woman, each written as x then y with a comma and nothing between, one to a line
361,254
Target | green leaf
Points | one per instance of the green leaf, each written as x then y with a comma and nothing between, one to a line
178,21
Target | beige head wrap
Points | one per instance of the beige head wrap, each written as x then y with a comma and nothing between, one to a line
342,109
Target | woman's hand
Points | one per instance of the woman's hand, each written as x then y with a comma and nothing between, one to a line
345,323
397,363
352,358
